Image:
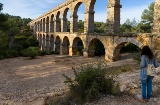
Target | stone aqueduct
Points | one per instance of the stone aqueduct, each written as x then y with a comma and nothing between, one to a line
51,30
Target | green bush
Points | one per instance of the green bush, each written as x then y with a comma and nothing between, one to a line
42,53
26,41
11,53
91,82
32,41
31,52
17,47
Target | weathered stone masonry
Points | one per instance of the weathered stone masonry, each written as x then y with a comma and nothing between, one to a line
51,29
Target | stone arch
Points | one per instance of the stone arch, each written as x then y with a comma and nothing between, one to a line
57,44
47,42
75,16
91,48
43,42
47,24
65,48
119,45
65,20
52,23
58,22
78,46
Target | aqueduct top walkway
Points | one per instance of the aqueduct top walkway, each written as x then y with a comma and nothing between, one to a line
52,31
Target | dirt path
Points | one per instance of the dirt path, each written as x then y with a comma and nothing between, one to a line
24,81
27,82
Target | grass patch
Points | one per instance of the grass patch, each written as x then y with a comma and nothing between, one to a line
119,69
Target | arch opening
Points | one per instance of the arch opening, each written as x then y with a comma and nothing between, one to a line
77,47
66,20
65,48
51,43
126,50
52,23
41,24
47,24
57,45
96,48
44,21
78,18
58,22
40,41
47,42
43,43
100,15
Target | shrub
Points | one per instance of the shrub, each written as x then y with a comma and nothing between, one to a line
32,41
17,47
11,53
91,82
31,52
42,53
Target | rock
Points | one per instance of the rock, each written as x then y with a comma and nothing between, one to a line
155,99
122,88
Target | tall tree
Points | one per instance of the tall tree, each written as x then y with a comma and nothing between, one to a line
147,19
1,7
3,19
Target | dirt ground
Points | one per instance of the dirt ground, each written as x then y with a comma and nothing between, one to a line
28,82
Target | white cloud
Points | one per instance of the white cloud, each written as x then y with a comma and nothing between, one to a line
29,8
35,8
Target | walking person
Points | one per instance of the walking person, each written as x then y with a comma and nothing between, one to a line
147,57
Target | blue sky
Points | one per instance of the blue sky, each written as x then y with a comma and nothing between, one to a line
34,8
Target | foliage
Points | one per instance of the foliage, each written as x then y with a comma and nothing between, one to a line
4,40
15,35
91,82
129,47
99,27
129,26
80,26
99,48
147,19
1,7
80,48
31,52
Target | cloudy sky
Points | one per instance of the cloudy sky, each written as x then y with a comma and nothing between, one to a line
34,8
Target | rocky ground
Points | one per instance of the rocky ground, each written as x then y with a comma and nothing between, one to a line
28,82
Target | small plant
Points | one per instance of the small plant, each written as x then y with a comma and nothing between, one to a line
91,82
31,52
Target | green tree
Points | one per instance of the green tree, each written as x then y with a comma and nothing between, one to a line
147,19
3,19
1,7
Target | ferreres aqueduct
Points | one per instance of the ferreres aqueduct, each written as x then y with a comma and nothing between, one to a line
51,30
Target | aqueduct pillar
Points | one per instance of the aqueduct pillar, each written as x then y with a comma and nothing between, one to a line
156,22
113,16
